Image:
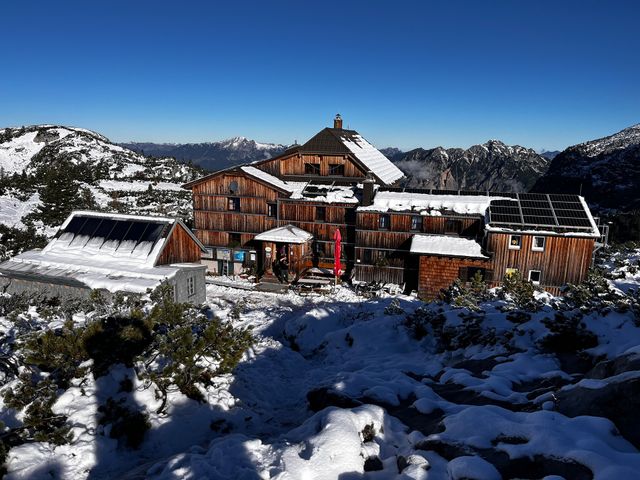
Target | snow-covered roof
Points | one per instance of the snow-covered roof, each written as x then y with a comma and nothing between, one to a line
103,250
446,246
286,234
101,273
369,156
268,178
428,204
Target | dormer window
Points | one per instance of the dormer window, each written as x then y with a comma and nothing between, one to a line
312,168
336,170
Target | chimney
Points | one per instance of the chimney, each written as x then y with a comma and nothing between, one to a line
337,122
367,190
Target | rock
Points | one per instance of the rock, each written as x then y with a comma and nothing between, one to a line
324,397
618,400
472,468
609,368
373,464
417,460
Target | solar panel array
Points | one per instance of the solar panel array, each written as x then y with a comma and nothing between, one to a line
540,211
115,231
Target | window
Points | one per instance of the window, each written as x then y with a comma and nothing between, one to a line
234,204
191,286
208,253
337,170
321,214
272,210
233,187
235,239
467,274
452,226
538,244
366,256
384,222
515,241
319,249
416,222
312,168
535,276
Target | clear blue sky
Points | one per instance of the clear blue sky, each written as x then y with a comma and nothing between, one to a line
543,74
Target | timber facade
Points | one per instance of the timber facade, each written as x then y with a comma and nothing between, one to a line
422,239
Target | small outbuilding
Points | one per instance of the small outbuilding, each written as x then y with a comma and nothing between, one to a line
112,253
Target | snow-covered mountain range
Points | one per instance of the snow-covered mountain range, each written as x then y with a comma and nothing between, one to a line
211,155
606,171
490,166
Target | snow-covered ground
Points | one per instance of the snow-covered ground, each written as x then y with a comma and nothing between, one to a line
340,387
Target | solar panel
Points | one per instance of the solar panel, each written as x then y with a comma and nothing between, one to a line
567,205
503,218
537,212
556,197
90,226
535,203
571,214
106,225
119,230
136,231
574,222
152,233
506,210
532,196
558,212
75,225
539,220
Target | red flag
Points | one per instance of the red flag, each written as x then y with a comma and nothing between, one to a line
337,238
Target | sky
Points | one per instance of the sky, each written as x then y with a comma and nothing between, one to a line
541,74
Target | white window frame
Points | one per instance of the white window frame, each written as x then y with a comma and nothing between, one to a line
515,247
191,286
533,244
540,278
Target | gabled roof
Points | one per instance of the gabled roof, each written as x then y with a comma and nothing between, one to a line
286,234
349,142
102,250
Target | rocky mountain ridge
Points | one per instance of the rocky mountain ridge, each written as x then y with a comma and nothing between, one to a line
606,171
490,166
211,155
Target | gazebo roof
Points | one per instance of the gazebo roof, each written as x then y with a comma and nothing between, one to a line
286,234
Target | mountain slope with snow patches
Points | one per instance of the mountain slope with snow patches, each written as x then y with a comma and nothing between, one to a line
118,179
606,171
